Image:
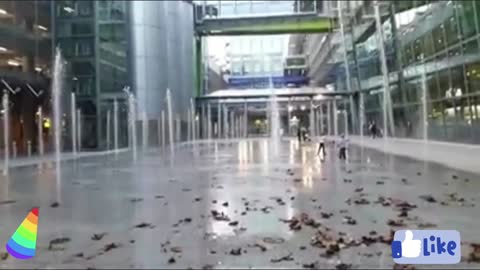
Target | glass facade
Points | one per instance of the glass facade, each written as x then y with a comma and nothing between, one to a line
93,39
25,57
432,50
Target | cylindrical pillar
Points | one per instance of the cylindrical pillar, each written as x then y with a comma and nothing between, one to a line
115,124
209,121
73,124
79,130
335,118
322,130
386,84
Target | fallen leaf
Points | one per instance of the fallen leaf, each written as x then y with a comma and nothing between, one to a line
361,201
233,223
225,204
343,266
99,236
273,240
395,223
284,258
349,220
380,182
428,198
135,200
171,260
3,256
187,220
110,246
358,189
57,241
144,225
55,205
427,225
219,216
312,265
197,199
261,247
403,267
176,249
78,255
236,252
326,215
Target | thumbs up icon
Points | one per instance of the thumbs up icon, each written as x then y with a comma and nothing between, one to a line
411,248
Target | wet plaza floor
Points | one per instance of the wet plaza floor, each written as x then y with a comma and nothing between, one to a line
235,204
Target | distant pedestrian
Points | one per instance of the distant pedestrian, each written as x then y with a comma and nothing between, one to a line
321,146
342,146
299,134
373,130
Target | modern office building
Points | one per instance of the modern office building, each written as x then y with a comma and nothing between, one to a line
109,45
431,53
25,54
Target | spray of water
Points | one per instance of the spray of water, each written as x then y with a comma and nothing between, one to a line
6,130
57,94
133,127
170,121
274,118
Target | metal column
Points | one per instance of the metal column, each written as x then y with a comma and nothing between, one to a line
335,118
245,120
322,131
329,118
387,114
345,60
312,120
219,120
209,121
203,122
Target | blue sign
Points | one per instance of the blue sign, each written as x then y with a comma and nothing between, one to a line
426,247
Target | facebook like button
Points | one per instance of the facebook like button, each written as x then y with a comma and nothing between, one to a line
426,247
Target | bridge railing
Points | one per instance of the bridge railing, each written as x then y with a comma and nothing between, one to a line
211,10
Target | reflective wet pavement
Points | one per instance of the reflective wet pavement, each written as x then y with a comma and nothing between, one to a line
234,204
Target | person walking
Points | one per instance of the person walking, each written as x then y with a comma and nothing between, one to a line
299,134
321,146
342,146
374,130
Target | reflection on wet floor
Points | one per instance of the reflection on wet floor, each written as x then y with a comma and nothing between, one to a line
235,203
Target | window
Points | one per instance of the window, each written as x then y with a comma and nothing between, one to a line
438,38
82,29
83,68
85,8
84,48
451,30
466,15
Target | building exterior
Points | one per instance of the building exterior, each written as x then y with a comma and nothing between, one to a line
431,53
25,52
93,39
108,45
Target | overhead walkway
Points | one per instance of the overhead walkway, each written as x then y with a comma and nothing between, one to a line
266,25
285,17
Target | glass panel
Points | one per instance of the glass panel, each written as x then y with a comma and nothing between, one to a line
438,38
82,29
473,77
